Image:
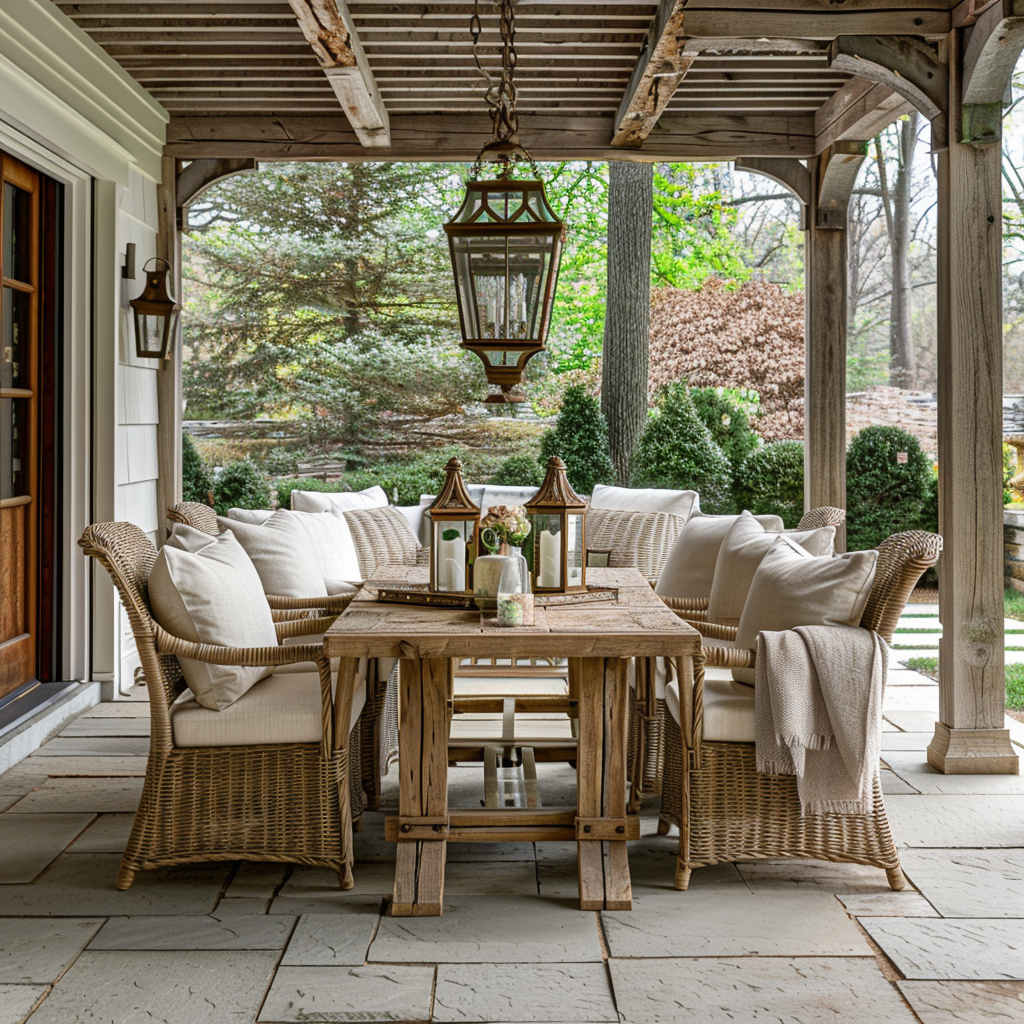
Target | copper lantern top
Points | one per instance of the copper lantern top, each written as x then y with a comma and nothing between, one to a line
555,492
453,500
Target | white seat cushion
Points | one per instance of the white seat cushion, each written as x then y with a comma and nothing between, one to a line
689,570
283,554
283,708
206,589
338,501
332,543
791,588
645,499
746,543
728,707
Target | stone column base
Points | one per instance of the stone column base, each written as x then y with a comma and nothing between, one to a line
972,751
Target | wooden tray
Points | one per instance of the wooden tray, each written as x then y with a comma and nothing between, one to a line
421,594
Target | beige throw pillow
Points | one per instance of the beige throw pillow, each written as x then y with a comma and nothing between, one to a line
338,501
332,542
793,588
746,543
689,570
206,589
282,553
645,499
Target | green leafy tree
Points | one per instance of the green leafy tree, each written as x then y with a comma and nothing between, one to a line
196,478
888,480
771,481
580,440
240,485
519,471
677,451
726,413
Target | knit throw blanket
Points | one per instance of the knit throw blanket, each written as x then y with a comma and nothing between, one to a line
818,713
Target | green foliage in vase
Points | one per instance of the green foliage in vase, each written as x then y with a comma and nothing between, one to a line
677,451
580,440
726,413
771,481
240,485
519,471
196,478
884,495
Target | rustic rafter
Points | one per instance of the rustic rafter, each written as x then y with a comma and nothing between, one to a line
658,72
996,41
789,173
327,26
906,65
859,110
196,177
837,172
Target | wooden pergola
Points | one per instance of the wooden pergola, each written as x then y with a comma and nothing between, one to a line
791,89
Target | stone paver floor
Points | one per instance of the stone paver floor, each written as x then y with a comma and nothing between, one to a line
787,942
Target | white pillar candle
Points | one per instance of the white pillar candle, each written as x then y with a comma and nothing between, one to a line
453,564
550,559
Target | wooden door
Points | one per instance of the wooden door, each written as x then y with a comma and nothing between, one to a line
19,422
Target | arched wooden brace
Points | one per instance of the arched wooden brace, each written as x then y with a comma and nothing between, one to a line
907,66
838,167
994,43
199,175
789,173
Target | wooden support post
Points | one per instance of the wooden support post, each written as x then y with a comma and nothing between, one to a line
168,378
825,292
970,737
424,690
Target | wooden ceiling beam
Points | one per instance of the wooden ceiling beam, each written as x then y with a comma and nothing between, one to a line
659,70
327,26
813,22
858,111
994,44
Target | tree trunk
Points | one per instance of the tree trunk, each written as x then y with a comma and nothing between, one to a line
627,323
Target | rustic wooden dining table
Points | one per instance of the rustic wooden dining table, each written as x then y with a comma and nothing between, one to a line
598,639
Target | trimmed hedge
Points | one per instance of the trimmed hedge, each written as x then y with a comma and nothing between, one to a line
519,471
196,478
771,481
580,440
240,485
728,422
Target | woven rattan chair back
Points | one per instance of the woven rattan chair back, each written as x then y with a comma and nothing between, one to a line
195,514
902,559
826,515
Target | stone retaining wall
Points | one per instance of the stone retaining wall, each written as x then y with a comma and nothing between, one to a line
1013,549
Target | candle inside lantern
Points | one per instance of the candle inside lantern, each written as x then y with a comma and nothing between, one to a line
453,564
550,559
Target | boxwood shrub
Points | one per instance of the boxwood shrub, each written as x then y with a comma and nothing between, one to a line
771,481
240,485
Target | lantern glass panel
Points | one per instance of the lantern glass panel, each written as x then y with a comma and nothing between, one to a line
574,550
150,332
547,550
451,539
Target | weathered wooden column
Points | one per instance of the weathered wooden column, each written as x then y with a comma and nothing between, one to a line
970,737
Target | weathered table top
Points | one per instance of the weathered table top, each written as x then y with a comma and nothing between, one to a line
636,625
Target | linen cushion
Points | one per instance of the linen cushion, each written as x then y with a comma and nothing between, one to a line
206,589
793,588
282,553
382,537
746,543
646,499
255,516
728,707
341,501
283,708
418,520
638,539
333,544
689,570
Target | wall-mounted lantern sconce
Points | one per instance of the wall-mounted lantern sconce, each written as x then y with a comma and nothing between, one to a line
156,314
128,270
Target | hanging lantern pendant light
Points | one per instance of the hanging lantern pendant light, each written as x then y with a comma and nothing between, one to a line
505,240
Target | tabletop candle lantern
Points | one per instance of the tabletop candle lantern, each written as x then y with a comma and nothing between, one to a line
455,523
556,514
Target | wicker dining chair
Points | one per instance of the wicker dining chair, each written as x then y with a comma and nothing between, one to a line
646,754
379,720
288,802
728,811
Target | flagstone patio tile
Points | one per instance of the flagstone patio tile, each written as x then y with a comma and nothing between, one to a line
38,950
752,989
912,698
374,879
101,766
107,834
118,709
241,905
95,746
887,904
211,987
83,883
911,721
914,768
76,795
17,1000
732,921
825,876
261,880
194,932
334,940
905,741
491,929
966,1002
107,727
956,821
950,950
523,992
32,841
893,783
969,883
350,994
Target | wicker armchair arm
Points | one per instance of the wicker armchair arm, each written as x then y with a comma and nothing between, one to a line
336,603
716,630
686,604
694,618
728,657
423,556
237,656
308,626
